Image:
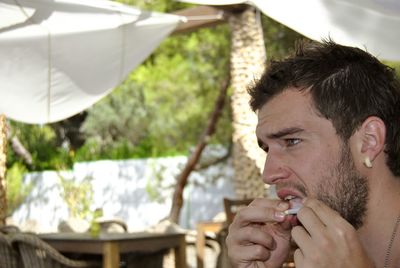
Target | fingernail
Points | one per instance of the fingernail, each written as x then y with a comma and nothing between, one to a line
279,215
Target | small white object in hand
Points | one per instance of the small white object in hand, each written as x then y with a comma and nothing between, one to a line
292,211
295,205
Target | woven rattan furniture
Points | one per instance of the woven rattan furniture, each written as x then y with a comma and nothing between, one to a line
36,253
9,257
9,229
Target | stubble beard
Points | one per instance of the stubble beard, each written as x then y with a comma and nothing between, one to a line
345,190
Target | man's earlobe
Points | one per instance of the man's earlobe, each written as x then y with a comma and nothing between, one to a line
373,133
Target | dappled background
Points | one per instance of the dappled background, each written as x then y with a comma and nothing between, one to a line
160,110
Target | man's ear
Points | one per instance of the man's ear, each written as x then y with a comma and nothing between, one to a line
373,134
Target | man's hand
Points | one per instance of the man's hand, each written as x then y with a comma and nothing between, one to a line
326,239
259,236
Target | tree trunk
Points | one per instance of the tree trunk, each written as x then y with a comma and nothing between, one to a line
248,59
17,146
3,155
20,150
177,201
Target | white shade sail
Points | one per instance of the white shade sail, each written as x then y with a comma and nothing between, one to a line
214,2
372,25
58,57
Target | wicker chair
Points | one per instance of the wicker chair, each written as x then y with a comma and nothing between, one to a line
36,253
9,256
9,229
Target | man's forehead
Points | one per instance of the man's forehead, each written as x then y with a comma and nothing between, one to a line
286,102
290,95
289,109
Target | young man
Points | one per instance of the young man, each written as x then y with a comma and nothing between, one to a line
329,121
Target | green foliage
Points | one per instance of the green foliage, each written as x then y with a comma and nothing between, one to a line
40,141
155,5
17,190
154,186
394,65
279,39
78,196
184,86
164,105
95,227
115,125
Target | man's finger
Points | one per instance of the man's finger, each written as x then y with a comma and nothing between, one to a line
298,258
311,222
251,252
303,240
256,214
327,215
255,235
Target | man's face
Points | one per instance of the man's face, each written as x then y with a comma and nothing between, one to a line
307,158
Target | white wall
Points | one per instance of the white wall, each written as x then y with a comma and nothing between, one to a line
120,190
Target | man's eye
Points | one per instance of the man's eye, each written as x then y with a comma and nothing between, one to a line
292,142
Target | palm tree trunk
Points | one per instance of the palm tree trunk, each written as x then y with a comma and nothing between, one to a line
248,59
3,154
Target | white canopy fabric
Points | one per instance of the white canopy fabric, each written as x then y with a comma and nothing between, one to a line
214,2
58,57
372,25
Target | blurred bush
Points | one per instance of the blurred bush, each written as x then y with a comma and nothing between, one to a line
17,190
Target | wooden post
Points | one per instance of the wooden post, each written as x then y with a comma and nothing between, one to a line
111,255
3,158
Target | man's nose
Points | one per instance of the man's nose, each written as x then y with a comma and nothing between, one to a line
274,169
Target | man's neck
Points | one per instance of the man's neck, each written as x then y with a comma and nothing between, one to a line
383,212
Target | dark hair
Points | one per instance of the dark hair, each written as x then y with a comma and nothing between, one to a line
347,85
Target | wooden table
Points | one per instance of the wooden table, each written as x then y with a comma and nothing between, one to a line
111,245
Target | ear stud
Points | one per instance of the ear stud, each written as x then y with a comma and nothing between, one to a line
367,162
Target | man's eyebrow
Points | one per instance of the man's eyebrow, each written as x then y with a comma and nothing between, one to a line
284,132
280,134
